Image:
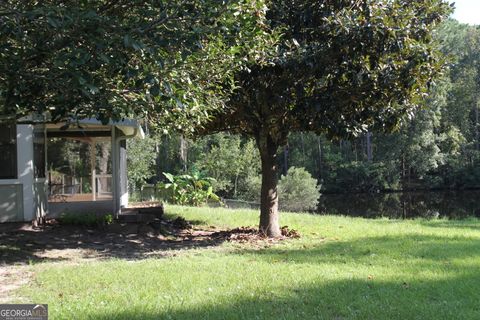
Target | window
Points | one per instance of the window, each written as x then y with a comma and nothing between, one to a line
39,152
8,151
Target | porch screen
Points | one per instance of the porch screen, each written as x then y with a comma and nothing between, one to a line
8,151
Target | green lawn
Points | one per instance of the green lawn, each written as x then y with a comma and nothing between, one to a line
342,268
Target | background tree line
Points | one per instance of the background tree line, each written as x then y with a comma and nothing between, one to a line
438,148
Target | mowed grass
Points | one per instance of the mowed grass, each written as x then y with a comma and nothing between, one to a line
341,268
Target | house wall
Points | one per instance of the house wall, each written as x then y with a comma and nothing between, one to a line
25,168
123,173
11,202
16,195
23,198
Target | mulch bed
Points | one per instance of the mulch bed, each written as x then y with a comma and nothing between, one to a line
249,234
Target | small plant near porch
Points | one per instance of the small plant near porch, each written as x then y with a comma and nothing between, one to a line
188,189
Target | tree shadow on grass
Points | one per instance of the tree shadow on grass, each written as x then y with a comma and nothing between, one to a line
440,291
343,299
172,216
457,224
22,244
426,248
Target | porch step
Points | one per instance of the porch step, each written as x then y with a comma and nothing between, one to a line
142,214
136,218
156,211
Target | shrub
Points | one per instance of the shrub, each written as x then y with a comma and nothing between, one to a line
298,191
250,188
87,220
108,219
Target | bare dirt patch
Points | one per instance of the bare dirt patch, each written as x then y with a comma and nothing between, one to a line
23,244
12,278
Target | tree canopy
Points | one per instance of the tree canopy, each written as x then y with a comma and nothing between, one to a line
168,60
340,68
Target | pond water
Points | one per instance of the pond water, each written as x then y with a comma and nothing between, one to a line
403,205
396,205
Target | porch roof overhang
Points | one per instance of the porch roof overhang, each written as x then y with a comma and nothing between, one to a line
92,128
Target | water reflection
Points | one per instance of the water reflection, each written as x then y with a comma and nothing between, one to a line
403,205
398,205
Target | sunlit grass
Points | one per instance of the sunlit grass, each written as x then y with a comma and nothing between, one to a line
341,268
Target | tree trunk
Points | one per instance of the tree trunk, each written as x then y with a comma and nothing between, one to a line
235,185
269,219
183,153
320,155
477,132
285,159
369,147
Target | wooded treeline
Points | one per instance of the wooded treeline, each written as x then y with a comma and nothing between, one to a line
438,148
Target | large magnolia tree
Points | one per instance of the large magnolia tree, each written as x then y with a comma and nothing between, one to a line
341,68
257,67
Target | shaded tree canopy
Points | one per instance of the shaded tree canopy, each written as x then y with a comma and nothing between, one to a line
341,67
171,61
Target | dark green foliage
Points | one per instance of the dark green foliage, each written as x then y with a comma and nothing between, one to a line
86,220
340,68
169,61
362,177
436,149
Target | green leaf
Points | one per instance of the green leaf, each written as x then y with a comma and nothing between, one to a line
169,176
155,90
